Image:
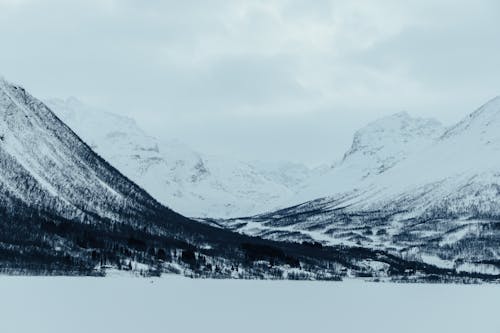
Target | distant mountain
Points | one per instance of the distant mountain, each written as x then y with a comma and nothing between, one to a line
65,210
189,182
409,187
375,149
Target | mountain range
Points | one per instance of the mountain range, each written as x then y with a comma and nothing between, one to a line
65,210
409,201
399,172
187,181
407,186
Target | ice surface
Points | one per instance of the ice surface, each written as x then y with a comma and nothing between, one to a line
174,304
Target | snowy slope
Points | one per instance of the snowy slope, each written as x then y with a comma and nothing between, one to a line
376,148
187,181
435,198
37,151
131,305
461,166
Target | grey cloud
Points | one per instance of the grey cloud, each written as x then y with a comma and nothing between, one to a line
190,69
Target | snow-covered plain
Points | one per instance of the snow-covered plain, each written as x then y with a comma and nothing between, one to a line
174,304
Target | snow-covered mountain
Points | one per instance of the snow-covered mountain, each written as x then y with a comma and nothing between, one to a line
65,210
57,196
375,149
37,154
189,182
410,187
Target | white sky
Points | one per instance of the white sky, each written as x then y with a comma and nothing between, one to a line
279,80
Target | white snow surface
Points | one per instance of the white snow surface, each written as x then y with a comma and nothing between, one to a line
175,304
189,182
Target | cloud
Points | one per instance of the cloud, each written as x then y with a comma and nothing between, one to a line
330,65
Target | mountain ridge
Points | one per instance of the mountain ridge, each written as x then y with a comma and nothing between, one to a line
65,211
192,183
375,149
440,204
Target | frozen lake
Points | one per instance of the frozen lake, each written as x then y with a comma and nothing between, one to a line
175,304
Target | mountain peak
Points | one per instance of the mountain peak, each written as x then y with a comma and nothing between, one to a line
8,86
394,132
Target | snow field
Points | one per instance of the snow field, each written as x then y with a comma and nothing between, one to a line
174,304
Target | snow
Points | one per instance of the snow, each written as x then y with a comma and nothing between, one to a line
438,189
173,304
418,159
401,163
16,144
407,186
46,165
466,154
256,229
436,261
376,148
187,181
395,158
457,235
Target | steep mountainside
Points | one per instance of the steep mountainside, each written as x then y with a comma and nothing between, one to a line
440,203
188,182
64,210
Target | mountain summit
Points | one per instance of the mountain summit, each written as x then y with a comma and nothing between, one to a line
375,149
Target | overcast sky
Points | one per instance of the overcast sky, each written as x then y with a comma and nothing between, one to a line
280,80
